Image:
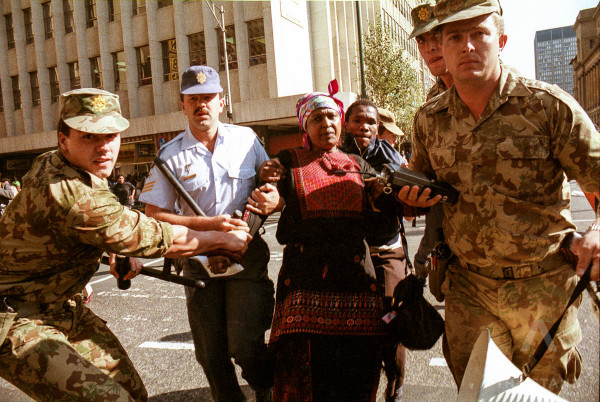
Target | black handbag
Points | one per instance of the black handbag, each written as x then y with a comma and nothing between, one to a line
417,324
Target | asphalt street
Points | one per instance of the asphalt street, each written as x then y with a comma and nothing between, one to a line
150,320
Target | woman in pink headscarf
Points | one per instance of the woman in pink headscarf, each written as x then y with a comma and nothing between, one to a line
327,330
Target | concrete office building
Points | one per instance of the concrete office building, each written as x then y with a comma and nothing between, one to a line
586,64
277,50
554,50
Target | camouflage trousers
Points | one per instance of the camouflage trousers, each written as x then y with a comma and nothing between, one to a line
69,355
518,313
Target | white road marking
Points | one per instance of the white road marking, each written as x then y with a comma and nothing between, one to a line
102,280
577,193
167,345
438,362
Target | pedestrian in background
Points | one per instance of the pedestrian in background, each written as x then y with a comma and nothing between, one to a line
124,190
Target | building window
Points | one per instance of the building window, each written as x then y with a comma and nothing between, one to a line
138,7
10,31
68,11
47,13
197,49
114,10
54,88
120,70
74,75
169,55
16,88
28,26
144,66
256,42
35,88
96,72
90,13
164,3
231,52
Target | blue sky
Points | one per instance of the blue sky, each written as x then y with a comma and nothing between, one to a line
522,18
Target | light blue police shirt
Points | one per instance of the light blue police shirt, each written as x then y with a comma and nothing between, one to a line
220,182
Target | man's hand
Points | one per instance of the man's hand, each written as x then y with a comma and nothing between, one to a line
410,196
264,200
237,241
271,171
587,249
136,267
221,223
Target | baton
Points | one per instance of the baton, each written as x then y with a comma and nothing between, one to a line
123,267
164,169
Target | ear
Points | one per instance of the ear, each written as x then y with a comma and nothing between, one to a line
62,141
221,104
502,42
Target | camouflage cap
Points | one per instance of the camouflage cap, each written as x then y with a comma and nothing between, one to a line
457,10
92,110
423,18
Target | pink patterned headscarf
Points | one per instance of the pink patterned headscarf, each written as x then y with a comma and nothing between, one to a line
317,100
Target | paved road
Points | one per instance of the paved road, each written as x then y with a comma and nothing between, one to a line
150,320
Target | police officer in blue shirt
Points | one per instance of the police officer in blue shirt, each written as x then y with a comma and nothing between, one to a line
217,163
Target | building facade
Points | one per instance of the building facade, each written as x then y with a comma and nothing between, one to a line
586,64
277,50
554,50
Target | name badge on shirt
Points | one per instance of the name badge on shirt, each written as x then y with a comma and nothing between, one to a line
188,177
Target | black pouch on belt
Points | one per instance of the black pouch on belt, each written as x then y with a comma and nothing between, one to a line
438,265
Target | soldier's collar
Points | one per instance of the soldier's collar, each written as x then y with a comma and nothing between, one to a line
510,84
73,172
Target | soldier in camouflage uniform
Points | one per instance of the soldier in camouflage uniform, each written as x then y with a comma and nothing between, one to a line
51,239
509,145
425,28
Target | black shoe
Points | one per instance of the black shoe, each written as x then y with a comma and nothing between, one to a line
265,395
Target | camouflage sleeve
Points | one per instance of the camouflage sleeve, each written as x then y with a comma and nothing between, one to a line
576,143
99,220
419,158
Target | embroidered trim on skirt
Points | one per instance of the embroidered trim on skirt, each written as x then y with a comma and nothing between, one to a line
327,313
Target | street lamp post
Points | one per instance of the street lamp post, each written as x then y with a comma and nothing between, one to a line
363,85
221,24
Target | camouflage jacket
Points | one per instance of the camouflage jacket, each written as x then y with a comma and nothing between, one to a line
54,232
438,88
510,167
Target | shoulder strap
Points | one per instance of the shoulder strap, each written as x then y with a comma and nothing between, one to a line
409,266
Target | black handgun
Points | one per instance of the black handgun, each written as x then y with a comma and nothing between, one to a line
397,177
